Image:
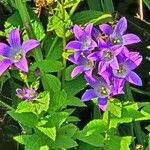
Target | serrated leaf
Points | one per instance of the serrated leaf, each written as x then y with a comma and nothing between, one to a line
50,132
68,130
27,119
53,83
47,66
115,107
41,104
91,139
74,101
56,119
94,126
65,142
118,143
75,86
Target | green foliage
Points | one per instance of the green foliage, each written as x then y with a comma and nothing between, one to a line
147,2
91,16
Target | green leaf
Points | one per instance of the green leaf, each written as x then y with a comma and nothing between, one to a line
74,101
115,107
21,138
50,132
44,147
119,143
72,119
41,104
65,142
56,119
75,86
94,126
147,2
85,146
27,119
95,139
68,130
68,72
53,82
148,128
91,16
59,101
47,66
53,47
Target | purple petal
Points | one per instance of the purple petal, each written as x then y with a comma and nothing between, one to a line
94,56
89,73
88,94
29,45
102,44
77,55
114,64
121,26
118,85
4,64
77,31
94,82
88,29
22,64
4,49
76,71
74,45
106,29
14,38
72,59
102,103
102,66
134,78
95,33
117,49
130,39
93,44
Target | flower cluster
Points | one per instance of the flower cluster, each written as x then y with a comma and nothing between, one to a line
101,54
27,94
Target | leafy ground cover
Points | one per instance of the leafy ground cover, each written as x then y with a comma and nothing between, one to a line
74,74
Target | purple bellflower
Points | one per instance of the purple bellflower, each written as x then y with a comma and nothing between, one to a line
126,67
84,42
117,36
15,53
101,90
83,65
28,94
106,56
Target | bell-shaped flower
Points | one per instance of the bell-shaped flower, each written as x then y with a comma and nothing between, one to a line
15,52
100,89
117,36
84,42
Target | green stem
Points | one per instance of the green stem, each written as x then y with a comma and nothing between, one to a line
135,126
22,9
52,47
6,105
64,43
74,7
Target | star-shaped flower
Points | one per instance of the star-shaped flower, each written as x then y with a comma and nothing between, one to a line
15,52
84,42
117,36
100,89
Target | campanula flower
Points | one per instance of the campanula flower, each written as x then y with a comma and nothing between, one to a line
84,42
126,67
106,56
100,89
83,65
117,36
15,52
28,94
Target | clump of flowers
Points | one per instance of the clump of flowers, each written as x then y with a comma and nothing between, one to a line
27,94
104,51
15,52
